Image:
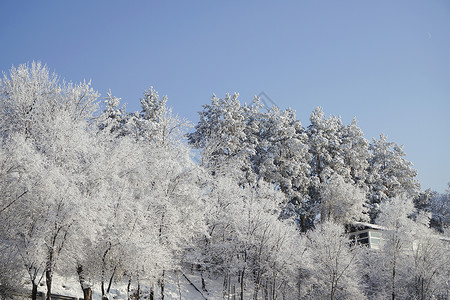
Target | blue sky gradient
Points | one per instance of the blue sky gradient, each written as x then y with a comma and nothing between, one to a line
385,62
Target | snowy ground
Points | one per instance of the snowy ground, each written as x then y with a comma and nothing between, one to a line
177,287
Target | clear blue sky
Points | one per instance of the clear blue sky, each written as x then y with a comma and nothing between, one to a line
385,62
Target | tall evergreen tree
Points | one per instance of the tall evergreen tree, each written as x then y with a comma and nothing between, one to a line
324,140
282,156
390,174
223,138
356,154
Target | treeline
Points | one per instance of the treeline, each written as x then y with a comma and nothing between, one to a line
108,195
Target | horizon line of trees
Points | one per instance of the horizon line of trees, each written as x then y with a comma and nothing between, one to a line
111,195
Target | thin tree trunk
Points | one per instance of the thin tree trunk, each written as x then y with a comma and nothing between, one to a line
161,285
48,282
103,271
34,291
152,293
229,286
266,291
257,285
422,291
178,283
274,289
225,286
128,288
138,296
203,282
332,290
393,282
242,284
111,279
103,291
256,291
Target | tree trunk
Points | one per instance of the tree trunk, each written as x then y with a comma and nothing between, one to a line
111,279
138,296
332,291
103,291
203,282
48,282
274,289
266,291
257,282
128,288
34,291
422,294
102,284
152,294
242,284
393,282
103,271
104,297
225,286
256,291
87,292
161,285
178,284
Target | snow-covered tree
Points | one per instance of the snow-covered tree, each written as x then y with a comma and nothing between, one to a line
355,150
391,266
150,211
439,206
324,142
341,202
222,136
156,122
428,276
52,117
282,155
268,244
333,268
413,259
247,243
390,174
21,170
31,98
41,220
251,143
113,118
